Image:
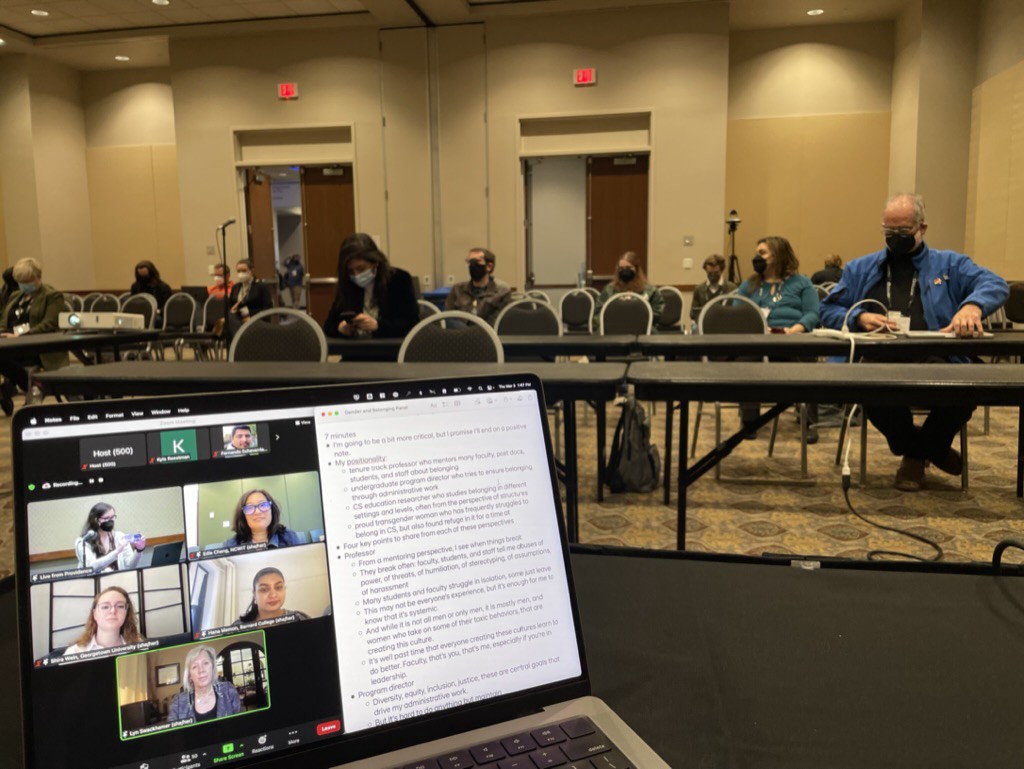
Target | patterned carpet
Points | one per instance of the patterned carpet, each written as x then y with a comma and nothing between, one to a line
754,518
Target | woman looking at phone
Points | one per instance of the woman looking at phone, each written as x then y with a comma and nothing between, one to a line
374,299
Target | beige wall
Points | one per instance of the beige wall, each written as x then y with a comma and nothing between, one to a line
808,138
906,97
58,138
1000,37
17,162
529,74
810,71
227,84
130,107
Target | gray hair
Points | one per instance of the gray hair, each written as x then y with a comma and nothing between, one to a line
27,269
916,200
194,652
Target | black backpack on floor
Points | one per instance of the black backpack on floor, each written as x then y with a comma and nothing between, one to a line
634,464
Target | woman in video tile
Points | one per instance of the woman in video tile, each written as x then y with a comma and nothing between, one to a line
268,595
102,548
204,697
258,519
111,622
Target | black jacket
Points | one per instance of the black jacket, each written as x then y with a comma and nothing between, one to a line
159,291
258,300
397,308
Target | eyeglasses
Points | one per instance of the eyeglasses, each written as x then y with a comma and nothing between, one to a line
106,606
887,231
264,507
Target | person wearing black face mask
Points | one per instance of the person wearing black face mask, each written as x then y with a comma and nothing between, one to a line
629,276
938,291
147,281
102,548
482,295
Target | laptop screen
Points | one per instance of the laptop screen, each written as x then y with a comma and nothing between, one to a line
244,578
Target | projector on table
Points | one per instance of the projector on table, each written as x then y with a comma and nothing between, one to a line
101,321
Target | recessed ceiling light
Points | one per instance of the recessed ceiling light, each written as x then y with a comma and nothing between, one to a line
38,12
161,2
122,58
815,12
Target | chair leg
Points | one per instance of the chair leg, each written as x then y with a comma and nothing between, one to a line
696,429
863,451
803,441
771,440
842,435
964,480
987,415
718,437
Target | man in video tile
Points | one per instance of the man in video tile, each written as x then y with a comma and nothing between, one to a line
258,519
204,697
241,439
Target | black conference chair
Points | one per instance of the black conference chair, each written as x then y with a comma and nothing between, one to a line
528,317
577,311
293,337
671,318
466,338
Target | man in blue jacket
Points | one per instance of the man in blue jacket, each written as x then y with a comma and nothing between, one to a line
937,290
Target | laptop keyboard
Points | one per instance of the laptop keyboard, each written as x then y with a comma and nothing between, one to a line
573,744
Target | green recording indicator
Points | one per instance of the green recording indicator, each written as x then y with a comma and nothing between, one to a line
31,487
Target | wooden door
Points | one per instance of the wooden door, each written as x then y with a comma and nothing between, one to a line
259,205
328,217
616,212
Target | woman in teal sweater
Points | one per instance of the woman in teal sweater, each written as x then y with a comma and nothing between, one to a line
790,298
791,302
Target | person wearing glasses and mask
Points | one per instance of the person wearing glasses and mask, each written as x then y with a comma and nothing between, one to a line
102,548
111,622
258,520
483,294
932,290
629,276
373,299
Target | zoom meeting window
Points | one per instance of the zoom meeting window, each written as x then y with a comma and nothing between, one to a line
211,587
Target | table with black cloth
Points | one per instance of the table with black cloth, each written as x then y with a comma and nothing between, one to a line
31,345
565,382
515,347
911,384
694,346
721,661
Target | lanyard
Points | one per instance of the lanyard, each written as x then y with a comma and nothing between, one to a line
888,289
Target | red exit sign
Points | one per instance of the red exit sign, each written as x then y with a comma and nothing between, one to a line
287,90
587,76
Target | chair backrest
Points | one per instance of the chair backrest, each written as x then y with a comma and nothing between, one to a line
104,303
141,304
213,308
1015,303
123,295
672,315
297,337
822,292
625,313
88,299
452,336
593,292
427,308
528,317
536,293
179,312
577,311
73,302
731,314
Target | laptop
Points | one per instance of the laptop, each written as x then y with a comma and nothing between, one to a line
385,586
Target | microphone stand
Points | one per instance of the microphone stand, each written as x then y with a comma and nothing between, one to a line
735,276
224,270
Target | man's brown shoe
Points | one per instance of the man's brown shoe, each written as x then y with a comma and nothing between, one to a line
951,464
910,476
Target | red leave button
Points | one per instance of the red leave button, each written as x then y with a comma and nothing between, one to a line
328,727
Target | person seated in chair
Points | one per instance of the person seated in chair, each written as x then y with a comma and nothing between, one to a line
248,296
222,284
483,294
34,308
374,299
147,281
630,277
935,290
714,286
